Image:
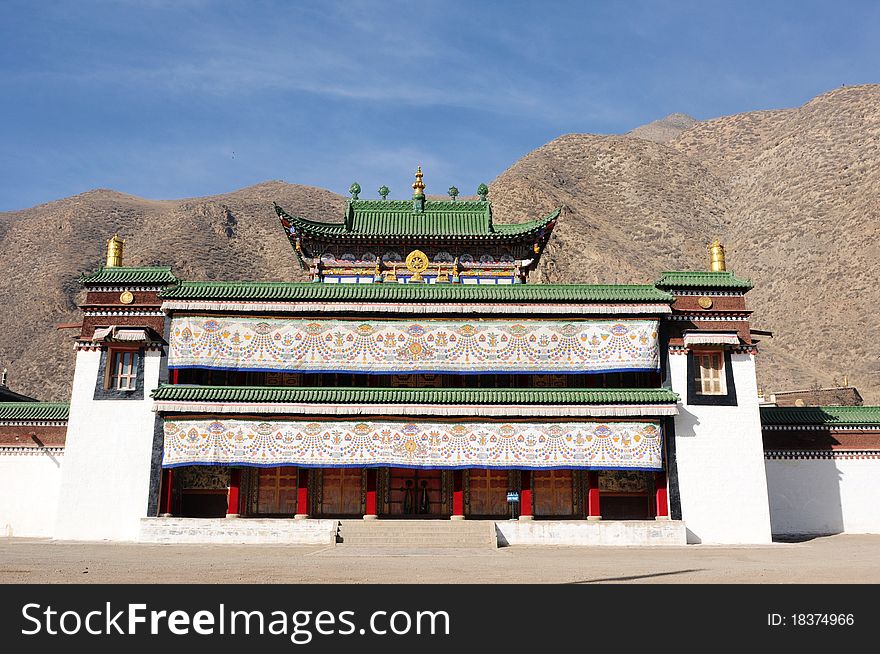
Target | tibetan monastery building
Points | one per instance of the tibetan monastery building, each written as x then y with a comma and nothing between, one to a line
417,378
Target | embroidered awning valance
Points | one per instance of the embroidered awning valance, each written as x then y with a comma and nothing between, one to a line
423,444
406,346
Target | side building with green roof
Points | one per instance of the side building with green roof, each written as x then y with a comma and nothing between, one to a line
823,469
32,436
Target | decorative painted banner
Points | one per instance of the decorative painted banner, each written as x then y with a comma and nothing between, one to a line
388,346
589,445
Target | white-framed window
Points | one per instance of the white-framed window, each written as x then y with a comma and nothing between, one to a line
710,373
123,370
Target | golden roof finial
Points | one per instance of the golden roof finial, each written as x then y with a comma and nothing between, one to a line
114,251
716,257
418,185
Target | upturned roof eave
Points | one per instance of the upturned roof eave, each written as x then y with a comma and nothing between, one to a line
508,232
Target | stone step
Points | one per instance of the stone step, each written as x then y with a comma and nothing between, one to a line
418,530
433,524
424,542
416,533
418,546
387,533
348,538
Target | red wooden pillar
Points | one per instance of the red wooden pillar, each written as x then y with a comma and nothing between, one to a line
302,494
175,374
661,510
457,495
234,495
167,492
593,511
371,506
525,495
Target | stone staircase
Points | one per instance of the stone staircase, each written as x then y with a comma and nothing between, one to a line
417,534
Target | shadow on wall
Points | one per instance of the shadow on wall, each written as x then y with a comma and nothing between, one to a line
686,423
686,427
803,484
805,497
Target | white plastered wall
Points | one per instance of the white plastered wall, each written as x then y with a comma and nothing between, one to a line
720,458
820,496
31,477
105,480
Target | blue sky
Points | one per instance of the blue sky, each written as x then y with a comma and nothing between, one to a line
181,98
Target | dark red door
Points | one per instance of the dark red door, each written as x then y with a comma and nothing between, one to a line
415,493
554,494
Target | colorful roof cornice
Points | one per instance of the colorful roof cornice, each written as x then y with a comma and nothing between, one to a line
417,293
496,402
356,395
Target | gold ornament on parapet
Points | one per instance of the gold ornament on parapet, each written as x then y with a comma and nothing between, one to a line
416,263
716,257
705,302
126,297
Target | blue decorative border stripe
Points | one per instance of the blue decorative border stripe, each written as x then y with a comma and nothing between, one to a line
245,464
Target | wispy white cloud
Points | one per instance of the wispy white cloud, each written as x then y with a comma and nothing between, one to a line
353,51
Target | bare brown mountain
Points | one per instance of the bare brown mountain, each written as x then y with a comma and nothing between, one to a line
794,194
665,129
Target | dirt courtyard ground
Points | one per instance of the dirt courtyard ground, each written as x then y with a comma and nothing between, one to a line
833,559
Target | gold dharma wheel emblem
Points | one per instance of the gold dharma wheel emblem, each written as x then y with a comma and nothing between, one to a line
705,302
126,297
416,263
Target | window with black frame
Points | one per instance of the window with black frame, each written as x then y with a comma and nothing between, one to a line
710,377
123,370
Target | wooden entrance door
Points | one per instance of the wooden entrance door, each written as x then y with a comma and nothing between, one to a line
487,492
415,493
341,491
554,493
276,491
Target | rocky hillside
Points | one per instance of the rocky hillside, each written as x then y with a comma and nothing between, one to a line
793,193
665,129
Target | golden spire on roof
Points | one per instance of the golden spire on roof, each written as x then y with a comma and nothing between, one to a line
418,185
114,251
716,257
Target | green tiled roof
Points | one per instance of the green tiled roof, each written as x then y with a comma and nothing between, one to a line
273,394
129,275
368,219
391,292
698,279
820,415
34,410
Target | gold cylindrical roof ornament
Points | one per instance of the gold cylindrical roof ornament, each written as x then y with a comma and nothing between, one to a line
716,257
114,251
